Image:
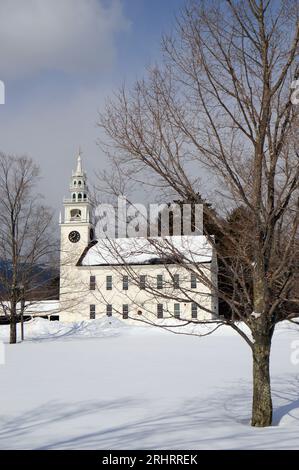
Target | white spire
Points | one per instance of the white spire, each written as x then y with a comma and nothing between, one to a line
79,168
79,163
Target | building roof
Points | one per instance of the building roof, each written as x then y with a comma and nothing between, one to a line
155,250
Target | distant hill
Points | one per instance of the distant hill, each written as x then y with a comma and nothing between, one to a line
44,284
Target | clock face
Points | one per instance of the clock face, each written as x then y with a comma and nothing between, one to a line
74,236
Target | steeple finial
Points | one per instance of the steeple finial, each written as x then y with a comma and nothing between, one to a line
79,163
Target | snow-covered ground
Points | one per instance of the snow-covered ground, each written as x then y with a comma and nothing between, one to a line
103,384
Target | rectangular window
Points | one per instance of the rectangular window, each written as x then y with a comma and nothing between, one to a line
159,310
142,282
194,310
125,282
109,310
53,318
177,310
125,311
193,281
109,282
159,281
176,281
92,312
92,283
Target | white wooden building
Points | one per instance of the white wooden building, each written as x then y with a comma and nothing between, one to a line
130,277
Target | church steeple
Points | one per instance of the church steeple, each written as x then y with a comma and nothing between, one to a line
76,228
78,186
77,207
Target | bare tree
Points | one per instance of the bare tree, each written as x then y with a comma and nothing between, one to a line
27,245
221,101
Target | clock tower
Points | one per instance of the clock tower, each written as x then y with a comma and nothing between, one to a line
76,224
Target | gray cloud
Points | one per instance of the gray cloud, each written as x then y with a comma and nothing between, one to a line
51,132
72,36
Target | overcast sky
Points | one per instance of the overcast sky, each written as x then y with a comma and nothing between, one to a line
59,60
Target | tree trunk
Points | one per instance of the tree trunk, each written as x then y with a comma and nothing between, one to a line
13,324
22,326
262,331
13,330
262,400
22,314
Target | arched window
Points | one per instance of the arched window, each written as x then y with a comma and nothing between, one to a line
79,196
75,183
75,214
79,183
74,196
85,197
